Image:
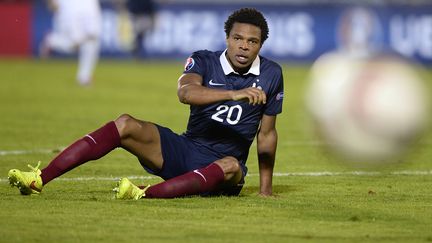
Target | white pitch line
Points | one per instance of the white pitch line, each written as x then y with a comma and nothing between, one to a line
30,151
276,174
106,178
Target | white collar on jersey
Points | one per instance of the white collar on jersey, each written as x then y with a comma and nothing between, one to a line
226,66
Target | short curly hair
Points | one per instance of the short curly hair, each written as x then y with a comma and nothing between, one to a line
248,16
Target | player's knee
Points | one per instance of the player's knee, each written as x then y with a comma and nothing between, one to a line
232,170
125,124
229,165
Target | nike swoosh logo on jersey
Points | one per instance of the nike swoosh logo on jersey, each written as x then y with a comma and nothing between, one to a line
214,84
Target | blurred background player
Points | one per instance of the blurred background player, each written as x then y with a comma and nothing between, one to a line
234,96
359,32
76,29
142,14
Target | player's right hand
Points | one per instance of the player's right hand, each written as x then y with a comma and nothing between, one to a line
253,95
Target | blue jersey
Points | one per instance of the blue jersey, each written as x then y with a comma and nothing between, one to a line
228,127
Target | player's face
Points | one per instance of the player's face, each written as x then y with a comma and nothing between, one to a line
243,45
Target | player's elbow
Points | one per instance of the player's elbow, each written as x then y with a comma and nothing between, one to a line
267,141
187,94
182,95
268,135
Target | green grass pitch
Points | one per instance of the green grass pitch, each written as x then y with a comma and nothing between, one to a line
42,110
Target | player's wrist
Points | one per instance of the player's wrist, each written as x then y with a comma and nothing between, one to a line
266,192
231,95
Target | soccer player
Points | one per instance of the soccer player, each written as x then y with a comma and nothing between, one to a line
143,14
234,95
77,29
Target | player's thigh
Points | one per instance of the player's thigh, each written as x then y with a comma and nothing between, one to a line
142,139
181,154
92,27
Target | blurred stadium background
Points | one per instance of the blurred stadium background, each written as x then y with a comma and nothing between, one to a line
43,109
300,31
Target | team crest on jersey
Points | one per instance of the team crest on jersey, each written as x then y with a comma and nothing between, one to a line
279,96
190,62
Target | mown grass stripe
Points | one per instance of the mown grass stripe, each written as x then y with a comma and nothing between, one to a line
283,143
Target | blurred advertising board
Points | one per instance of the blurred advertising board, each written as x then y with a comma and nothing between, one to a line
15,28
298,33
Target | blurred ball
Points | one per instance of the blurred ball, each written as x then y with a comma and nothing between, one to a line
369,109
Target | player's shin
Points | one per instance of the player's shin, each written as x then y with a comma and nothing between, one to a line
92,146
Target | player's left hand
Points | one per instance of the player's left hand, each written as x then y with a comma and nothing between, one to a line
253,95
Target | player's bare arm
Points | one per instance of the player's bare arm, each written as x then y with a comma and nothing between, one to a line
191,91
266,145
